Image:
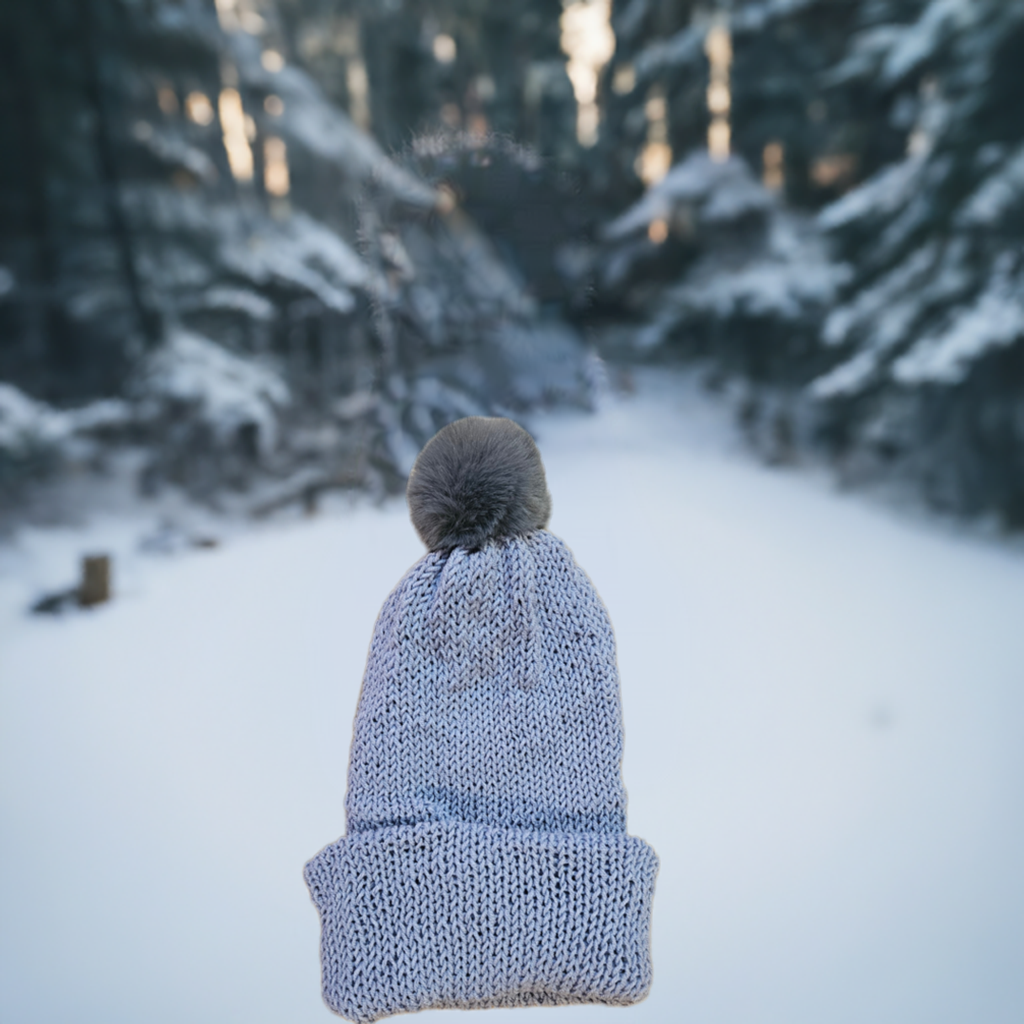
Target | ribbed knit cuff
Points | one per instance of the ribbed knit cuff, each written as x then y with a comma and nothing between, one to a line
449,914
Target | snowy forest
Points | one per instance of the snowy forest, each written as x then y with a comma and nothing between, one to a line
261,249
751,274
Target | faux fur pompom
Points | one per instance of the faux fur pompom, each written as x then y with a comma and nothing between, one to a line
477,479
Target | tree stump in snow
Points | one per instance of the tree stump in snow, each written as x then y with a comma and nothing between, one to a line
95,586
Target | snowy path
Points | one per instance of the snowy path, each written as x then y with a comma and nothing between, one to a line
824,712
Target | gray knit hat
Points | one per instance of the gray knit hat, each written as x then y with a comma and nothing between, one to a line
486,861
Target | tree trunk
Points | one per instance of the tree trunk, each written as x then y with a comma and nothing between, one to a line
146,318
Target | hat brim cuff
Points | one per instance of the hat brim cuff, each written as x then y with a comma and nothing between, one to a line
452,914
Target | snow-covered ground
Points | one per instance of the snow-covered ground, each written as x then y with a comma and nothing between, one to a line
824,706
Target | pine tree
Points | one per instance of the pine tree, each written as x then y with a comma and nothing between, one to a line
903,112
202,239
929,344
653,92
421,67
826,131
810,141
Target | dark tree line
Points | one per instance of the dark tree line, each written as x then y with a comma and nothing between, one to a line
867,295
205,258
274,244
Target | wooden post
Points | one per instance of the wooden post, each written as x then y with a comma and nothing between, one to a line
95,586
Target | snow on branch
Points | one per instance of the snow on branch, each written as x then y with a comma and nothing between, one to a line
225,391
995,320
721,191
26,423
886,192
305,254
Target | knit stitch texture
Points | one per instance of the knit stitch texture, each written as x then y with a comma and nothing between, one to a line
486,861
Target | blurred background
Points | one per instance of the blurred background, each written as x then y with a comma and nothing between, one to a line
753,274
272,247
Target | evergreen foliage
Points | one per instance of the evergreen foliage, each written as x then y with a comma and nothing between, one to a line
275,244
659,57
306,332
929,343
901,354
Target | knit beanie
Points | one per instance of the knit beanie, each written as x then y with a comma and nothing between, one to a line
486,861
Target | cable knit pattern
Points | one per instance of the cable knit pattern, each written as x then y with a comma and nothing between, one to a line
486,861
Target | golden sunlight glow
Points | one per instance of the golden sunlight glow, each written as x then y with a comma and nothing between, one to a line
624,80
588,41
835,170
773,163
232,122
252,22
239,14
718,47
446,200
358,85
655,158
445,50
198,108
656,109
276,178
719,139
657,231
167,99
227,14
588,121
271,60
719,98
346,37
654,162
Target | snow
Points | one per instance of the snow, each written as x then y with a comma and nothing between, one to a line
791,275
848,377
490,282
890,304
867,51
753,17
543,362
227,390
24,421
995,320
305,254
823,711
319,127
888,316
894,52
679,50
997,196
759,289
174,151
724,191
787,278
918,43
236,300
886,192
